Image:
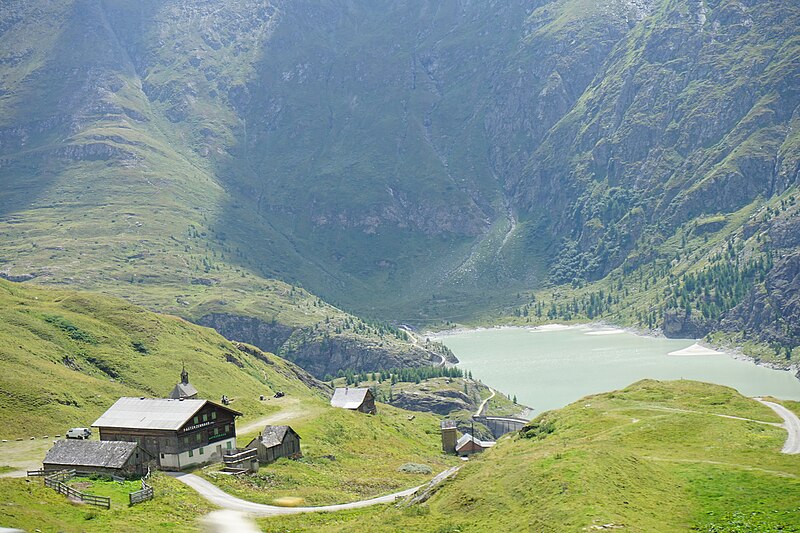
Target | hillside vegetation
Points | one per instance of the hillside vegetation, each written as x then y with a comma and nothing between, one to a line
65,357
411,162
652,457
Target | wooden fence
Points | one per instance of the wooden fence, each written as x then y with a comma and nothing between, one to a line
142,495
57,482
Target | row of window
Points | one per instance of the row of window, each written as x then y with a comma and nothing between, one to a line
191,452
205,417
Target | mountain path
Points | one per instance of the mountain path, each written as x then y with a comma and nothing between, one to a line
479,412
791,423
290,410
221,498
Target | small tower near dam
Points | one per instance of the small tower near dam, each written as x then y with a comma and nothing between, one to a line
449,436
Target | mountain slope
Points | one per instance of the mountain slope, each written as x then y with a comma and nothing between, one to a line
419,162
67,356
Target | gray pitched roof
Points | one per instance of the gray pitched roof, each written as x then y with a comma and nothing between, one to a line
152,413
107,454
274,435
349,398
466,438
183,390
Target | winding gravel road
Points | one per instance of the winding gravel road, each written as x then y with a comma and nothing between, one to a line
219,497
790,422
482,406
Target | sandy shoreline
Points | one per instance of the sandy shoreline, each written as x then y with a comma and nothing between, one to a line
697,349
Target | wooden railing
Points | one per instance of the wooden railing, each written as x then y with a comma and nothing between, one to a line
57,482
238,455
145,494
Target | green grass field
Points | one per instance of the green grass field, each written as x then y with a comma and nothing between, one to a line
28,504
347,456
652,457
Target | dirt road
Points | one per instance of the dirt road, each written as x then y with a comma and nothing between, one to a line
791,423
219,497
481,408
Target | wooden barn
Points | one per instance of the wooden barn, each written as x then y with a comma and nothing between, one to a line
113,458
468,444
275,442
178,433
355,398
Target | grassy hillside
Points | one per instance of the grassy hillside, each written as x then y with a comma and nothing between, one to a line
28,505
67,356
347,456
652,457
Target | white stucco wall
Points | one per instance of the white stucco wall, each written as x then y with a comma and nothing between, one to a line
182,460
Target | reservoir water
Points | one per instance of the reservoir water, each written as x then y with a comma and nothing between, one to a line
551,367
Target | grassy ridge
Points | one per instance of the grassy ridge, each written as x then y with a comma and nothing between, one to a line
651,457
348,456
66,357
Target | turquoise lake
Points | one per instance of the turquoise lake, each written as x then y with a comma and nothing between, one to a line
548,368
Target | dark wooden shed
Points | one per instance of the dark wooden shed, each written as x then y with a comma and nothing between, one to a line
113,458
275,442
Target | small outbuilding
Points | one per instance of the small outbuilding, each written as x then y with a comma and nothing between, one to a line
275,442
355,398
113,458
468,444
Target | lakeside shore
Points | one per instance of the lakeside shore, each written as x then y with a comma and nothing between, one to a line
699,348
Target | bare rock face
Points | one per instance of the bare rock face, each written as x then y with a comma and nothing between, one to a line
771,312
317,353
680,325
269,336
439,402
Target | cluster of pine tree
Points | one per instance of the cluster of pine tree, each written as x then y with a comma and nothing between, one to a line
720,286
395,375
589,305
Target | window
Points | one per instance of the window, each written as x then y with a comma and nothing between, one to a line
196,420
201,451
216,431
198,437
205,417
191,453
213,415
137,455
229,445
186,440
227,428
